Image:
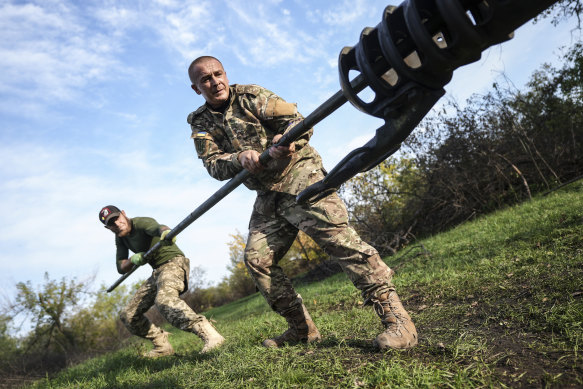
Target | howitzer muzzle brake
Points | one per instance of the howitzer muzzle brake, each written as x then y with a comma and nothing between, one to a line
406,61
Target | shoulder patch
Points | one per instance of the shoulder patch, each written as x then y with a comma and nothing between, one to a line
278,107
202,140
248,89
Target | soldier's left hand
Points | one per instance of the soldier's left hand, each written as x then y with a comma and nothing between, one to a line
138,259
280,152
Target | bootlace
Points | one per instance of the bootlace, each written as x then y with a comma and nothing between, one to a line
393,321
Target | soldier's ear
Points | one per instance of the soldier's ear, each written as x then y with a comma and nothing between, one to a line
194,88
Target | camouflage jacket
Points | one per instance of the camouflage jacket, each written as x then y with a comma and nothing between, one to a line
145,233
252,117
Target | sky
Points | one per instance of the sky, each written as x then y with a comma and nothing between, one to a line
94,97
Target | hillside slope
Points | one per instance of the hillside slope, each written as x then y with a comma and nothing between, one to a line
497,301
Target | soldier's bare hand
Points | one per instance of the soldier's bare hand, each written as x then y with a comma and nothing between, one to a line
126,265
249,159
280,152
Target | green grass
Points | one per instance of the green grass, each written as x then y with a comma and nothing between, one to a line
498,302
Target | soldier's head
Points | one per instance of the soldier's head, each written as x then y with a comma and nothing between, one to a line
115,220
209,79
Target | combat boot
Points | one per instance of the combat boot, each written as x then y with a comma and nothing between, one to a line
301,329
400,332
209,335
162,346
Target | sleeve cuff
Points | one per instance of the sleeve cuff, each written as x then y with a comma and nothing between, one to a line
235,160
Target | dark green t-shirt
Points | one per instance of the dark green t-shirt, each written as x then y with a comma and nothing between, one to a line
145,234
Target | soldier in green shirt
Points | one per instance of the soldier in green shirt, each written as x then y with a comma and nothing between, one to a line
234,126
169,279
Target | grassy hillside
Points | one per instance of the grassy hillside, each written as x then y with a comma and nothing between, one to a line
497,302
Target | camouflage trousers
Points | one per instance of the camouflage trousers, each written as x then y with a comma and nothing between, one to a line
274,225
161,289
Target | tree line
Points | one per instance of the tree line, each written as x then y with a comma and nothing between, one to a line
64,321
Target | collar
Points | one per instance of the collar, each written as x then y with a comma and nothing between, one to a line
226,104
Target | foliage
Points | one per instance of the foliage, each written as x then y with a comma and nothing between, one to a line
69,323
239,280
503,147
236,285
8,344
97,327
304,255
375,203
563,10
49,308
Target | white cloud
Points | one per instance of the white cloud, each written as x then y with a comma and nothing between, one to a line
345,13
118,18
189,28
48,54
267,39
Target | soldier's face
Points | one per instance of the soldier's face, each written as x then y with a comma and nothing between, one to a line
211,82
120,225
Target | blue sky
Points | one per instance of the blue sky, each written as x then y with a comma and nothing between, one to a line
93,103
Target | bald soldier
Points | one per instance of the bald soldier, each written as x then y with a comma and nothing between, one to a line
234,126
170,271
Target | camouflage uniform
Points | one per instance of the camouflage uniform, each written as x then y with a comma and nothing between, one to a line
252,117
169,279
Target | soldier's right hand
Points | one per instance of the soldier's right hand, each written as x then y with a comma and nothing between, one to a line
138,259
249,159
165,241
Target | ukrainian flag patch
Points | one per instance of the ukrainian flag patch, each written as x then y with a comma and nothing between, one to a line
202,140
